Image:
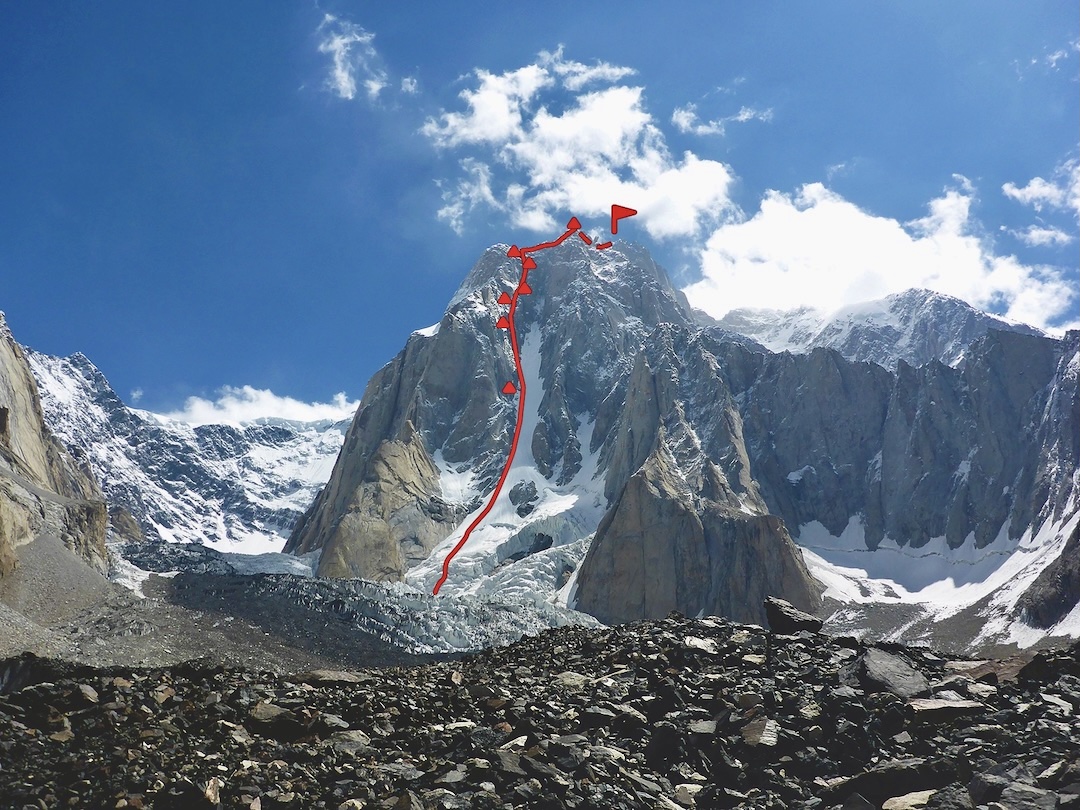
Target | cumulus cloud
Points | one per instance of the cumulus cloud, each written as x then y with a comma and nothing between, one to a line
1036,193
539,146
1062,191
495,108
1037,236
686,120
353,57
816,248
557,137
236,406
409,86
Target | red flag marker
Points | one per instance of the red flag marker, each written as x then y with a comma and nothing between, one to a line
509,388
514,252
503,323
529,263
573,224
504,299
620,212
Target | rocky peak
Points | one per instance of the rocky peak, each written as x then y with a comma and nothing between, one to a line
588,315
623,279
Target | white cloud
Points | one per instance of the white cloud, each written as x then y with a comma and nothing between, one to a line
1036,193
730,88
409,86
575,75
135,395
1062,191
534,146
353,54
495,109
686,120
818,249
471,191
1037,236
537,163
1062,54
235,406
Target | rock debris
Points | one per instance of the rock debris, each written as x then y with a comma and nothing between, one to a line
672,713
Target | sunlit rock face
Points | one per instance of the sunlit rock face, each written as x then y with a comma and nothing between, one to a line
43,489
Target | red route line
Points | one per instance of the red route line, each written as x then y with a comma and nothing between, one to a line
522,254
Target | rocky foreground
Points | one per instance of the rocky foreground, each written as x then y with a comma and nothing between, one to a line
661,714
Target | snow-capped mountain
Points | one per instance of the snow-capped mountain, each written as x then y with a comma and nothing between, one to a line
668,466
915,326
237,489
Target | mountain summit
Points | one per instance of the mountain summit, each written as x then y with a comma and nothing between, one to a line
665,465
433,429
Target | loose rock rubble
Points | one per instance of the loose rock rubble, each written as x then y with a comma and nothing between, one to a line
677,713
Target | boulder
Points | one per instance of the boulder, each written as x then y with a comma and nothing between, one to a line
786,619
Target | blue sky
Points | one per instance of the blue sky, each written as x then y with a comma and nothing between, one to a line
241,208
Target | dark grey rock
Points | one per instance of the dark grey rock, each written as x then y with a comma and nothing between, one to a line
882,670
1028,797
786,619
951,797
986,787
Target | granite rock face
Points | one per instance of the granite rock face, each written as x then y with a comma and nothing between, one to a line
394,514
43,489
1056,592
588,320
707,454
661,548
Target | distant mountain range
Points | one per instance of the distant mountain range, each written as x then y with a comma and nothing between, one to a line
236,488
915,326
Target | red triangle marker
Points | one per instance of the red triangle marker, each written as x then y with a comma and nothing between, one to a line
619,212
504,299
509,388
529,263
514,252
524,288
503,323
573,224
